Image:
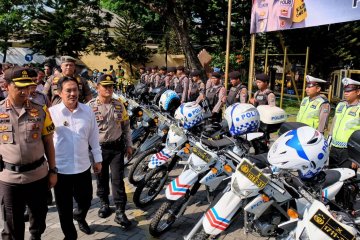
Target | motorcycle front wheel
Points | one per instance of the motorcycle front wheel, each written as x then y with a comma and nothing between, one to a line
165,217
150,187
139,168
202,235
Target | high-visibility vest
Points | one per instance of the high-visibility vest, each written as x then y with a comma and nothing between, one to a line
347,121
310,111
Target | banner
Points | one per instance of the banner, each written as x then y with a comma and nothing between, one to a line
277,15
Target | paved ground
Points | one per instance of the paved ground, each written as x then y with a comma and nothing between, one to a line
108,229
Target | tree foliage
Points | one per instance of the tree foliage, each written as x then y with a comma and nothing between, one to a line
71,27
129,42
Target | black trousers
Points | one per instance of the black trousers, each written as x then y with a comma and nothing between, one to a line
338,158
69,186
113,159
13,199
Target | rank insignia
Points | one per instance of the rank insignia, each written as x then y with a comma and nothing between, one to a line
284,12
35,135
4,115
34,112
262,14
5,137
3,128
117,107
353,111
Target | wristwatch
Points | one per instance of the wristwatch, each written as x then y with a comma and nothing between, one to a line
53,170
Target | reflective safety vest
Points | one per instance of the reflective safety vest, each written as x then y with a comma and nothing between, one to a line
347,121
310,111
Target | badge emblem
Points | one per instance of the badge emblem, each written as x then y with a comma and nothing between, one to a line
3,128
34,112
4,115
35,135
5,137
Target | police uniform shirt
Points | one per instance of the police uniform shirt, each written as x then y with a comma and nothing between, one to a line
334,118
40,98
21,139
272,15
183,82
74,132
200,89
112,120
50,89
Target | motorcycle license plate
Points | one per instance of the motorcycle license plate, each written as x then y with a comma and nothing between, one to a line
330,227
253,174
201,154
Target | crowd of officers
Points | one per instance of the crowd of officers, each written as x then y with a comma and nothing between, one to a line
36,102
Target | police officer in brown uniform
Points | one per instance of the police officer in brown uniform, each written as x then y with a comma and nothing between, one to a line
171,78
26,135
148,76
272,15
155,77
216,95
115,134
196,87
68,70
181,84
238,91
263,96
142,73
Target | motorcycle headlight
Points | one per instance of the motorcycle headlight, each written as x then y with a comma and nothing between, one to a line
196,167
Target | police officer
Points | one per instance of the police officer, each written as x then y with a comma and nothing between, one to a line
171,78
155,77
25,174
272,15
196,87
181,84
148,76
142,74
345,122
67,70
115,133
238,91
315,108
216,95
263,96
47,70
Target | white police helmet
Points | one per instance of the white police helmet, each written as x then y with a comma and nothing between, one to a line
189,114
168,100
242,118
303,149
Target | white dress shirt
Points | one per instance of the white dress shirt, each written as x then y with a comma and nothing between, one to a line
74,132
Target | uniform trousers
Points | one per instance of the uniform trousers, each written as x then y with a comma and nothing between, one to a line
69,186
13,199
113,158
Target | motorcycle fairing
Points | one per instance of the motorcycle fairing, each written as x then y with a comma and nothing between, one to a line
178,187
160,158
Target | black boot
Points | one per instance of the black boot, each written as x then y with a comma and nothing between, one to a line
120,218
104,210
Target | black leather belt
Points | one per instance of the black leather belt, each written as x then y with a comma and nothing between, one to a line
25,167
112,144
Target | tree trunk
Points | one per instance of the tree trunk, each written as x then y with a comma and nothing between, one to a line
178,23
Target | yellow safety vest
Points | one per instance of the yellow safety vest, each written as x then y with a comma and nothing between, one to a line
310,111
347,121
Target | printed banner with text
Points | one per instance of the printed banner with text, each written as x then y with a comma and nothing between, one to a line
277,15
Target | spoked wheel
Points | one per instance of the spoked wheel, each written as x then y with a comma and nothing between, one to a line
139,168
150,187
165,217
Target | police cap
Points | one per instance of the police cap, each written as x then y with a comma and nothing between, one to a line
216,74
181,68
20,76
143,68
163,68
312,81
106,79
234,75
350,84
148,68
262,77
155,67
65,59
195,73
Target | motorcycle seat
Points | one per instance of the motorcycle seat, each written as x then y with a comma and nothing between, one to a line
260,160
332,176
216,144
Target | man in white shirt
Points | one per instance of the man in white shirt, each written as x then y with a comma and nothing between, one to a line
75,130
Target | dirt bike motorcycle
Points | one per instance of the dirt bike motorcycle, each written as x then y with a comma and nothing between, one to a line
262,197
206,167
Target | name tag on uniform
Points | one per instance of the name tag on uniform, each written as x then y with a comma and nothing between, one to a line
353,111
